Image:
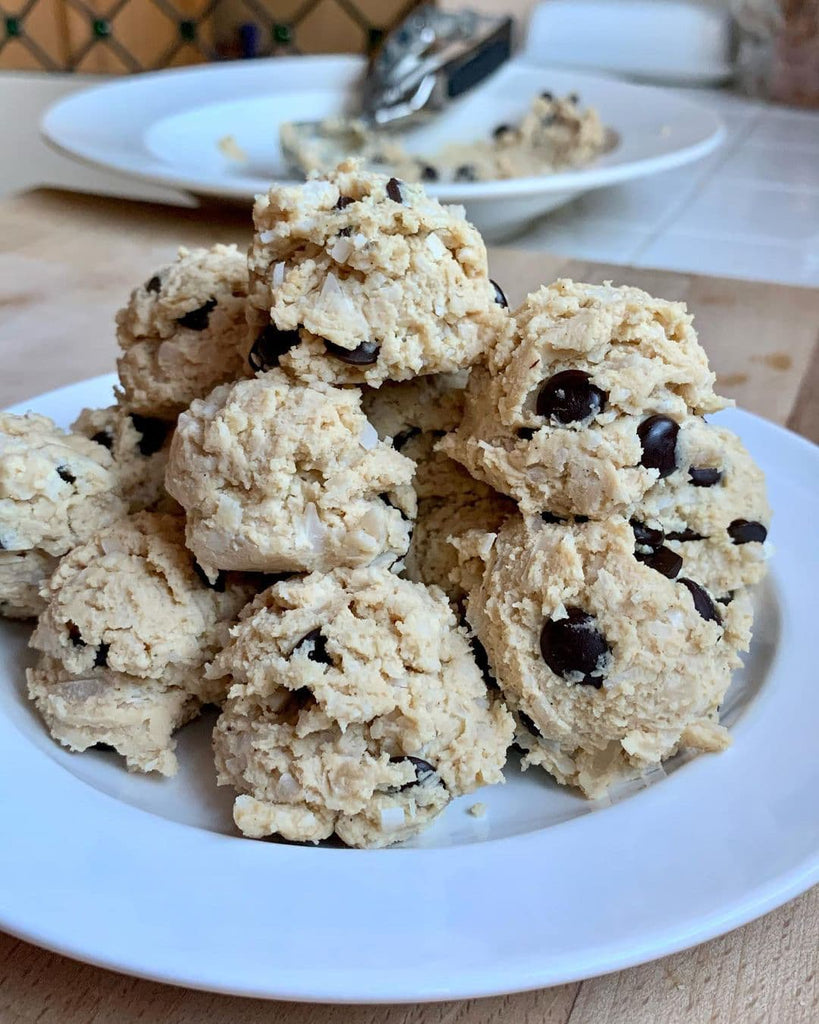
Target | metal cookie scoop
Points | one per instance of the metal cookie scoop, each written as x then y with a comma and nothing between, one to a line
429,59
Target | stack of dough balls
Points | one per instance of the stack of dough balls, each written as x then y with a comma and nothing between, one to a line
385,525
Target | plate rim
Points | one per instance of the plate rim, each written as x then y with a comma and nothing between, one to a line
53,130
778,888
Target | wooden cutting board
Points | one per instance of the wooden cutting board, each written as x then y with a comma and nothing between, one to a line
67,262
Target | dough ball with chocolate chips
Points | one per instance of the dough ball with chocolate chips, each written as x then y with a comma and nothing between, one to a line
139,446
357,709
357,278
712,521
613,665
278,476
56,490
183,331
579,408
128,625
415,414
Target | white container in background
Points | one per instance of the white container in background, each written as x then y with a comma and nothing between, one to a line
671,41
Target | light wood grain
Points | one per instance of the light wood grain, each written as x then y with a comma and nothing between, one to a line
66,263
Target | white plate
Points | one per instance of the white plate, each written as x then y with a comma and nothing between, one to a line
147,875
164,128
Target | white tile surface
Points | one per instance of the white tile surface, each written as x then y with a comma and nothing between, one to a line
749,210
724,257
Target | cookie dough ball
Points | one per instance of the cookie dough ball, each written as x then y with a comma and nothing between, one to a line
22,573
710,523
139,446
358,278
454,505
183,331
101,708
414,415
579,409
280,476
614,666
357,708
56,489
128,626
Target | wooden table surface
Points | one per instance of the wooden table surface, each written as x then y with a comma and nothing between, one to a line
66,263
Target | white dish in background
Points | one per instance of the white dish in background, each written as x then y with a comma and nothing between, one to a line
146,875
164,127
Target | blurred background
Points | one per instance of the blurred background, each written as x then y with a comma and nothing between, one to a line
751,209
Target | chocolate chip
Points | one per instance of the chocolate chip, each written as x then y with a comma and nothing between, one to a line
550,517
528,724
394,190
526,433
574,646
423,771
548,96
429,173
65,474
386,499
466,172
362,355
154,284
646,536
319,650
345,232
663,560
573,98
569,397
502,129
343,202
403,436
500,298
270,345
704,476
218,584
198,319
684,535
102,746
105,438
154,433
727,599
744,532
658,436
581,519
101,657
702,601
75,636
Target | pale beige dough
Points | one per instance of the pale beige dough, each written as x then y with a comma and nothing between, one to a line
56,489
722,560
640,351
403,275
554,134
124,637
663,669
139,446
338,680
277,476
183,331
414,415
22,573
135,716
